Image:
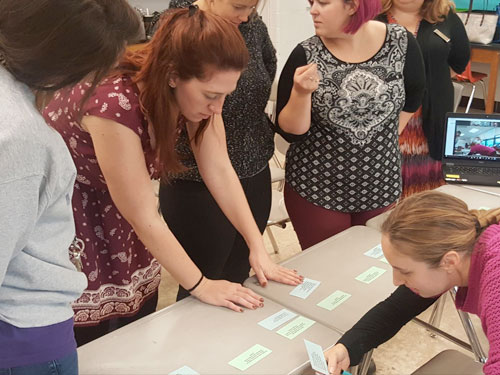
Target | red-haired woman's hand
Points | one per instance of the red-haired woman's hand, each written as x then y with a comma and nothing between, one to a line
227,294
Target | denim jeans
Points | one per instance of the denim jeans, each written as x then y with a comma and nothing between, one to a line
63,366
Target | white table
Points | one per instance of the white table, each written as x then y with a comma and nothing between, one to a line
202,337
470,194
335,262
495,190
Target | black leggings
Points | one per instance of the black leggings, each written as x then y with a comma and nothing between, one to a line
203,230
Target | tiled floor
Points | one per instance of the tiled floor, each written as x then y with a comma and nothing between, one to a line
409,349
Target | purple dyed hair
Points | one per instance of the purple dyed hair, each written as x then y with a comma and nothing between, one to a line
367,10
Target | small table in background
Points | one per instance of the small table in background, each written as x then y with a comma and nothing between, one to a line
488,54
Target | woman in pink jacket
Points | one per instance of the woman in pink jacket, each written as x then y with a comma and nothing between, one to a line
433,243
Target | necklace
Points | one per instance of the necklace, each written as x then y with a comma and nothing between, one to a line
392,19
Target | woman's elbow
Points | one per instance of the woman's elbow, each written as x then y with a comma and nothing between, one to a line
291,127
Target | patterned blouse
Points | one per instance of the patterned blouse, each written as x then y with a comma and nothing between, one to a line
121,273
249,136
349,160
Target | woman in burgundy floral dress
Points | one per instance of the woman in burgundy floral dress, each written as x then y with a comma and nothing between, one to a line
125,138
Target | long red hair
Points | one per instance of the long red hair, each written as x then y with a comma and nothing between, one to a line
191,44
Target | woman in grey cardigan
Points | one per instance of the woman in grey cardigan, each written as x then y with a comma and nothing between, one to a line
44,46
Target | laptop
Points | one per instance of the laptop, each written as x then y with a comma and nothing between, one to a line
471,152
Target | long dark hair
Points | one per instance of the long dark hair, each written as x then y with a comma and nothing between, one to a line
49,44
191,44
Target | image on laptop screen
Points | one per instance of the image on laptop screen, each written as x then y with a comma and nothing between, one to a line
472,138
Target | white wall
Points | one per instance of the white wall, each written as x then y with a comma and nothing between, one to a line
152,5
289,23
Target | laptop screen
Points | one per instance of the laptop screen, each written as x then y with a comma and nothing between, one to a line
472,137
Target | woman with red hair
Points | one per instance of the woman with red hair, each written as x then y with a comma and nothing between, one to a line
174,87
186,200
344,96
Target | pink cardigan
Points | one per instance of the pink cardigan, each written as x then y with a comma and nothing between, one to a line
482,295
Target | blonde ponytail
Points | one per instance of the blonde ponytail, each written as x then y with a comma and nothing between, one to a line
486,218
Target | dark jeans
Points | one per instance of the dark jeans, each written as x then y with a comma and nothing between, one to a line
84,335
203,230
67,365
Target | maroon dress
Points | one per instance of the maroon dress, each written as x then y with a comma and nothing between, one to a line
121,273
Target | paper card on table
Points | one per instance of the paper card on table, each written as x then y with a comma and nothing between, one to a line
305,289
334,300
376,252
277,319
295,327
384,259
371,274
316,357
250,357
184,370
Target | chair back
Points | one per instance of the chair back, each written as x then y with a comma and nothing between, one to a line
457,95
274,91
281,144
466,76
271,103
469,76
451,362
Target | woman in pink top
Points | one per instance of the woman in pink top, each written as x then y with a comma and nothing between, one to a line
476,148
433,243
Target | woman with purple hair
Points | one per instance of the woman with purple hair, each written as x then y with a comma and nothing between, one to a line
344,97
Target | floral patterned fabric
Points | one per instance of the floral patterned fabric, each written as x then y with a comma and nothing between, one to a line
121,273
419,170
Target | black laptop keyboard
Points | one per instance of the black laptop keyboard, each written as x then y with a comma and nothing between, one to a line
476,171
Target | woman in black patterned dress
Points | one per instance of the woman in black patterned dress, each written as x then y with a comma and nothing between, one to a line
344,96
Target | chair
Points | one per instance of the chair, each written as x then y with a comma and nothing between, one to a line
470,331
450,362
468,77
277,170
457,94
435,319
279,215
363,367
280,149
